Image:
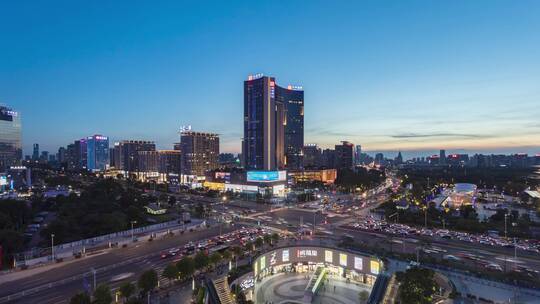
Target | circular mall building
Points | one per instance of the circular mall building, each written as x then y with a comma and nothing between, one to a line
311,274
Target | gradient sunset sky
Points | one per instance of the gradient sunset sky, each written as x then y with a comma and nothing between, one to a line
389,75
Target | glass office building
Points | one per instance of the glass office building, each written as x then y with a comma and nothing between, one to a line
97,152
293,100
273,125
10,138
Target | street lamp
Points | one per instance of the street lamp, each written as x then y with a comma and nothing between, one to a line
52,246
223,200
505,226
132,222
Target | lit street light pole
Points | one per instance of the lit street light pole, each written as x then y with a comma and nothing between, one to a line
505,226
223,200
52,246
132,222
94,274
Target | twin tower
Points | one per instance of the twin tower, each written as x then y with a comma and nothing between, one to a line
273,125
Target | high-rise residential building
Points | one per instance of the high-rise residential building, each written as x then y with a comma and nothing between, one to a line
35,152
162,161
97,152
81,154
344,155
442,157
170,161
148,161
126,154
10,138
273,125
312,156
61,155
199,152
71,157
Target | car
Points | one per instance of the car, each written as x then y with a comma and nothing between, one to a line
174,251
121,276
493,266
450,257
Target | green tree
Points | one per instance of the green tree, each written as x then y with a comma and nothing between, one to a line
134,301
237,251
249,246
259,242
201,260
148,281
127,290
227,255
102,295
215,258
185,267
80,298
417,285
363,295
170,272
275,238
267,239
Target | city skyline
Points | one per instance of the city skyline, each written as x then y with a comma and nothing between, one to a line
394,77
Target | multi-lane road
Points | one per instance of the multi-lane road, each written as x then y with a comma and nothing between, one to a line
57,283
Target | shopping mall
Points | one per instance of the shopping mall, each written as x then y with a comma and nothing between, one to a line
311,274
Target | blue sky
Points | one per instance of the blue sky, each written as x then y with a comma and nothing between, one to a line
390,75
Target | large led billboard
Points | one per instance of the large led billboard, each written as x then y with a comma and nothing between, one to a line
317,255
266,176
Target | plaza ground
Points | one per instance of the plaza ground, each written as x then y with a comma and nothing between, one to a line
289,288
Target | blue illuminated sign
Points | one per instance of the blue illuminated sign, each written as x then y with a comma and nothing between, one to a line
266,176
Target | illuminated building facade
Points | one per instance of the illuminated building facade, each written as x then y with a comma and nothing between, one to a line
293,100
326,176
273,125
200,152
97,152
10,138
126,154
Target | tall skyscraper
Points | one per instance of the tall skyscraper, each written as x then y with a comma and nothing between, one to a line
97,152
273,125
200,152
35,152
10,138
81,154
292,98
71,157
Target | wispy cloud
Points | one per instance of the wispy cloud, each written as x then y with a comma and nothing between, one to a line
434,135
